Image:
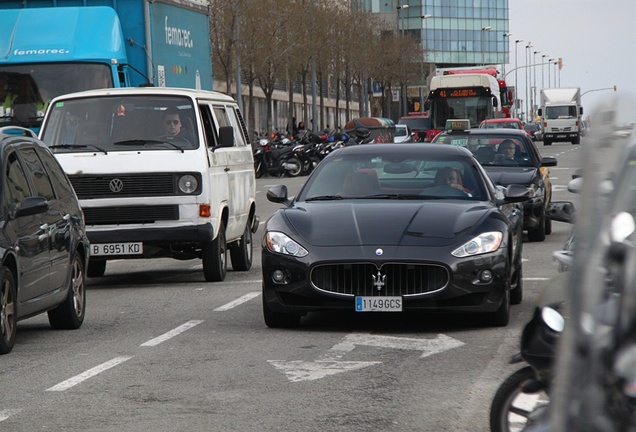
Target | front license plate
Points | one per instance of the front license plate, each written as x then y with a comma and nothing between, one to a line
560,136
117,249
378,304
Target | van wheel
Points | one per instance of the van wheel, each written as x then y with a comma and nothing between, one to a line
96,268
69,315
8,316
215,257
241,253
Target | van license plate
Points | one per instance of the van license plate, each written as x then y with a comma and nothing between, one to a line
379,304
117,249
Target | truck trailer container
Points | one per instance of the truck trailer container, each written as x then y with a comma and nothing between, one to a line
54,47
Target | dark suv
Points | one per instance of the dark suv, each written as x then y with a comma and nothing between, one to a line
43,241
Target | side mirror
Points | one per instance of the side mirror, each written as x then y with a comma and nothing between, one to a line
540,112
31,206
278,194
226,136
548,161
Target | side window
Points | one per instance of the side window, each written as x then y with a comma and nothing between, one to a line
17,184
36,171
61,184
222,117
239,138
208,125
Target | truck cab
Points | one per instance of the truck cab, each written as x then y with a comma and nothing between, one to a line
160,172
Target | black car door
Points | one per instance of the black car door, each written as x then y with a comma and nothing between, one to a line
56,220
25,233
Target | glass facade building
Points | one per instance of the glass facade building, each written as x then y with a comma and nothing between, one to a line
454,32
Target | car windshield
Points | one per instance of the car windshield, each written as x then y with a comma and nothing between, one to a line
395,176
493,150
121,123
400,131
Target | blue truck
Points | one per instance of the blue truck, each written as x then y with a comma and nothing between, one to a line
54,47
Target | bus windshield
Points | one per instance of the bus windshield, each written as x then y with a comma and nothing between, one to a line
474,108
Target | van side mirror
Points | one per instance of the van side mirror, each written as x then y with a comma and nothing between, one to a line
226,136
540,112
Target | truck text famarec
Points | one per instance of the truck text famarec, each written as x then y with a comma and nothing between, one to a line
49,51
469,96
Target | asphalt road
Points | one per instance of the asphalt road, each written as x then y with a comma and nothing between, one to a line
162,350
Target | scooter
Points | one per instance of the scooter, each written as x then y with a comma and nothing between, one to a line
522,399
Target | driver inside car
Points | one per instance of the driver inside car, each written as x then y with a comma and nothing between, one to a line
173,127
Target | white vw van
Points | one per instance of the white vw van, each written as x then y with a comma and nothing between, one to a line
160,172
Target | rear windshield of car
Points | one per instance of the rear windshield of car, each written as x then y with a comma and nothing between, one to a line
491,150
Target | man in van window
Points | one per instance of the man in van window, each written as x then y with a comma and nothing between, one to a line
173,127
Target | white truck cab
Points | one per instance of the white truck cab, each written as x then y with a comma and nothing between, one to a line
160,172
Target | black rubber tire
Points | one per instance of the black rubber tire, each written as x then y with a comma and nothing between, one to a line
538,234
8,315
242,252
214,257
69,315
279,320
516,288
501,317
96,268
548,226
296,171
503,402
547,143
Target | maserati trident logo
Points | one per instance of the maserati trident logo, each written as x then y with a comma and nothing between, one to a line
379,281
116,185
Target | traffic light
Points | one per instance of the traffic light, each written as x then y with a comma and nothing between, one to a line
560,63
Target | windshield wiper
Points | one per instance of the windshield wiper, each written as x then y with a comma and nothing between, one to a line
400,196
325,198
144,142
72,146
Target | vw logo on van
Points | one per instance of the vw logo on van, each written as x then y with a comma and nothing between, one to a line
116,185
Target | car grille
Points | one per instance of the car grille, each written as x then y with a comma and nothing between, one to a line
391,279
130,214
91,187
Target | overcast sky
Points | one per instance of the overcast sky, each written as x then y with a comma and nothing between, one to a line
596,39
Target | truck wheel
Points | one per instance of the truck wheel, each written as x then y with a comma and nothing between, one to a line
546,142
241,253
69,315
215,257
96,268
576,141
8,316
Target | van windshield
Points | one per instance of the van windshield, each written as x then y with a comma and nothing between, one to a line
121,123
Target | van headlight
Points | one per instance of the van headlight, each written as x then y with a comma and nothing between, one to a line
188,184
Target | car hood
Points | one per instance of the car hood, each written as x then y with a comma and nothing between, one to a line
381,222
516,175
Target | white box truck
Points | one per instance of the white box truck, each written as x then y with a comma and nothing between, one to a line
560,114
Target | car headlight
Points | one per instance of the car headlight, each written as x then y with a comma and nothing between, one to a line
483,243
283,244
188,184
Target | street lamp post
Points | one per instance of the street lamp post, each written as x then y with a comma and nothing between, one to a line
516,76
550,61
424,18
534,85
506,44
483,29
402,97
526,75
543,63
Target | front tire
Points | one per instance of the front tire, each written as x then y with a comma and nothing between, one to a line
538,234
277,319
242,252
516,291
96,268
215,257
510,405
69,315
501,317
296,169
8,313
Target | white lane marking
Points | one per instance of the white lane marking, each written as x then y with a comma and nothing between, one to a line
65,385
172,333
238,301
536,279
5,414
